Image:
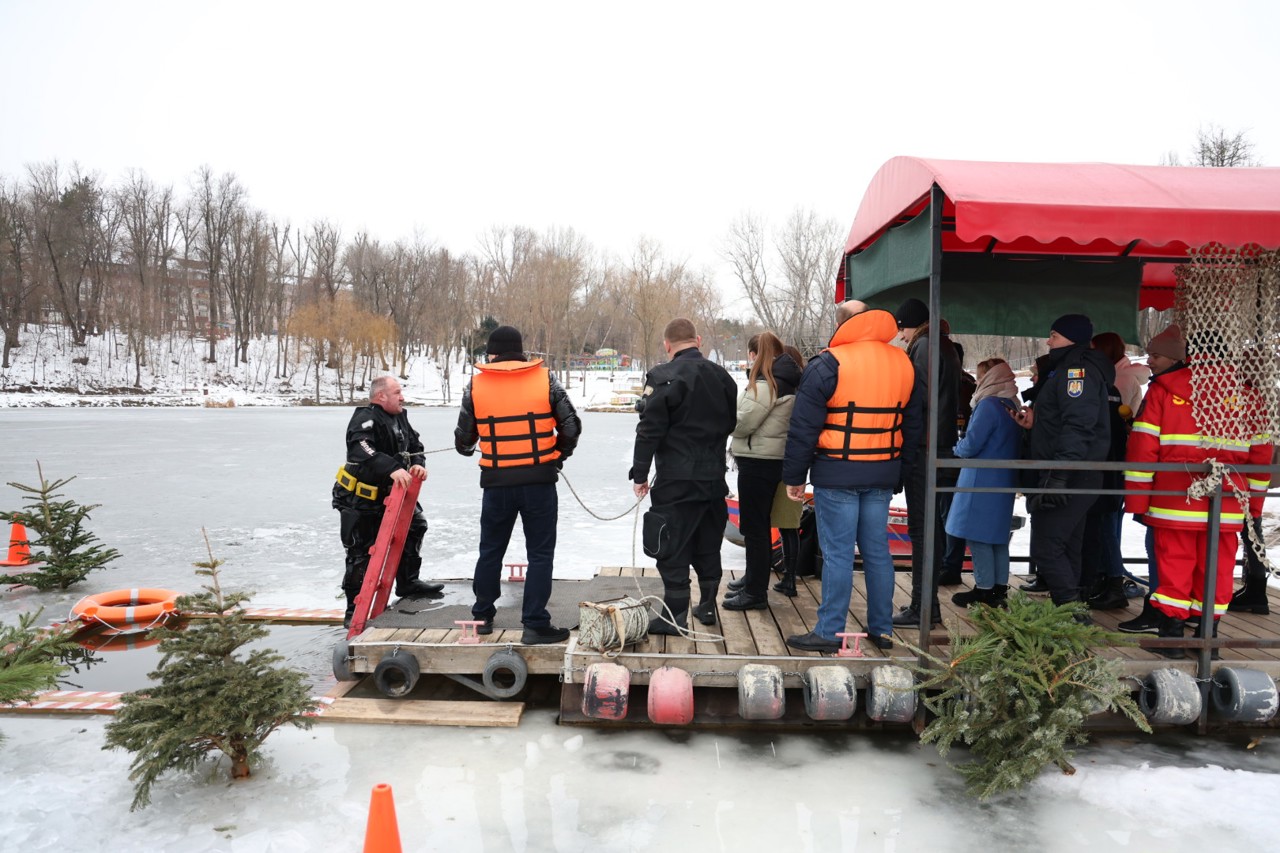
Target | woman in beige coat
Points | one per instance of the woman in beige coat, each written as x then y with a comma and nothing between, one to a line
759,443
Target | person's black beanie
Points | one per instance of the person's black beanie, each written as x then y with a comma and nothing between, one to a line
912,314
505,340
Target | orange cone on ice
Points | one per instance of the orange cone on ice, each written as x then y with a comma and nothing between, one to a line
19,547
382,835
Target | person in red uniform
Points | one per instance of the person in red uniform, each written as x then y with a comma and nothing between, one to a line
516,413
1165,430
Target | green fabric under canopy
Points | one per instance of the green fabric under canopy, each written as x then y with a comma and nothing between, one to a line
996,295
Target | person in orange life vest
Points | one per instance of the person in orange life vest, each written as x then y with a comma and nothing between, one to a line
1165,430
858,408
516,413
382,449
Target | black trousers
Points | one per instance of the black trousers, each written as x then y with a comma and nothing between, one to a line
1057,539
913,484
757,484
360,530
696,513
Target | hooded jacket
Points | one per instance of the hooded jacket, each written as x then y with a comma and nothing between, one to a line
874,374
763,419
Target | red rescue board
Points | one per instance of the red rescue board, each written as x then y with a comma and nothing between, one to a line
384,556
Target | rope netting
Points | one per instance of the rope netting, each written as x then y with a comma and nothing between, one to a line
1227,303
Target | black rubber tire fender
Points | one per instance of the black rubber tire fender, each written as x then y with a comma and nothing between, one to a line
396,674
509,663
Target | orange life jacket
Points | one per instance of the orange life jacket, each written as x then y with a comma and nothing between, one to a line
512,402
873,385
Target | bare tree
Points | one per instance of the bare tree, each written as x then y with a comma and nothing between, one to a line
649,289
1215,147
16,281
65,212
218,202
788,284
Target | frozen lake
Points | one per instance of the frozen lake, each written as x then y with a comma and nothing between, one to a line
258,479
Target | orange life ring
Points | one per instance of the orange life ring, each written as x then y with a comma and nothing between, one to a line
111,640
122,607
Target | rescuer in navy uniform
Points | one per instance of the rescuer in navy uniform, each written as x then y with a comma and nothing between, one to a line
382,449
690,409
1071,421
516,413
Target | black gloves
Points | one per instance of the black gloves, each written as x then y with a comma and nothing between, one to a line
1041,502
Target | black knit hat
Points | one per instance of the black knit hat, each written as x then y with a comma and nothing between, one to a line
912,314
505,340
1076,328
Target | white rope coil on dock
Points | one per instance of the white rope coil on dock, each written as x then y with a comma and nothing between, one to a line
609,627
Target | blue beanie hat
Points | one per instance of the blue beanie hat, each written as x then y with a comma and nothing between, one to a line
1076,328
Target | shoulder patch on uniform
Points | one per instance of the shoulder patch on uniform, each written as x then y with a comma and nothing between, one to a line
1075,373
648,389
366,424
1075,387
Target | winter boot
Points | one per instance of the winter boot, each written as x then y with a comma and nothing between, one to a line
1146,622
678,604
408,585
1252,597
1111,596
1000,596
1169,629
787,586
705,612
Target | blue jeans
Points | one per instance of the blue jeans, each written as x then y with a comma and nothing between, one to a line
990,564
846,516
537,506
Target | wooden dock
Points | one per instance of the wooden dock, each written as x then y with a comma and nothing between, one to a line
751,637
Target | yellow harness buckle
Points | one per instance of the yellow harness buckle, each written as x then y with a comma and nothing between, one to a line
351,484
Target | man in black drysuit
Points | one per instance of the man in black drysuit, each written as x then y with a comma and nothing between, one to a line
382,449
689,410
1071,421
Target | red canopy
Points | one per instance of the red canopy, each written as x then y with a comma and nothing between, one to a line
1077,210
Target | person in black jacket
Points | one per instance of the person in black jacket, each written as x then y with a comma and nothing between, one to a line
516,413
382,449
1071,421
690,409
913,322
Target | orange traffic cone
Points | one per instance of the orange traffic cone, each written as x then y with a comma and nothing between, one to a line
19,547
382,835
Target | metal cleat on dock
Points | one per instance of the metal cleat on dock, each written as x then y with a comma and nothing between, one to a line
469,635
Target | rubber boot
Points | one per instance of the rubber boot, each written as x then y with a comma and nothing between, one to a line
1252,597
678,604
1146,622
705,612
408,585
787,586
350,612
1111,596
1170,628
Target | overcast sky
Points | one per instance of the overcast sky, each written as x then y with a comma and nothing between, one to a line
663,119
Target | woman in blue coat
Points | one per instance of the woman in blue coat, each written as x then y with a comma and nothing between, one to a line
982,518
